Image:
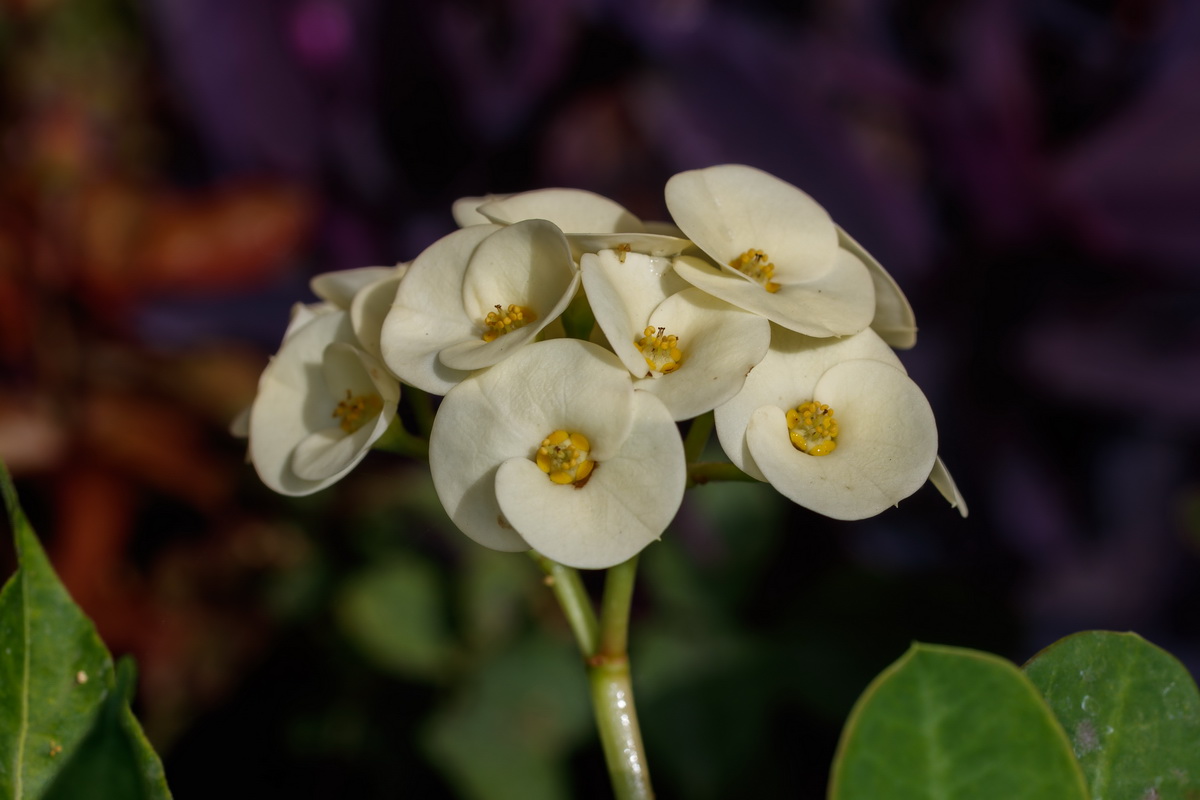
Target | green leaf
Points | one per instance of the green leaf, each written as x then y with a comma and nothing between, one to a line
951,723
1132,712
57,687
506,734
394,612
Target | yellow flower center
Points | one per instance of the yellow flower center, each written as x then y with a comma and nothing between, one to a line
623,249
564,458
755,265
501,321
354,412
812,428
661,351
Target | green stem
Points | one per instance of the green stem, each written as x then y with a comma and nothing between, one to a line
578,319
422,408
604,645
706,471
697,437
616,719
569,590
615,606
399,441
612,689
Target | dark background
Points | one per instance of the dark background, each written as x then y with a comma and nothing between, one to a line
173,171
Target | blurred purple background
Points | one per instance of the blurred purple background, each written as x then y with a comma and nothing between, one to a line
1028,171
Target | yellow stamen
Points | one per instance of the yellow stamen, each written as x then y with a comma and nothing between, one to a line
354,412
564,458
660,350
623,249
812,428
755,264
501,321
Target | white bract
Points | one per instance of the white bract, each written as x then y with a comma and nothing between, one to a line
681,344
322,402
552,449
894,320
358,291
775,250
340,287
835,425
591,222
473,298
370,306
944,483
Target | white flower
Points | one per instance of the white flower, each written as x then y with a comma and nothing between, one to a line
465,213
339,288
552,449
365,292
776,248
835,425
370,307
894,320
572,210
688,348
944,483
322,402
591,222
473,298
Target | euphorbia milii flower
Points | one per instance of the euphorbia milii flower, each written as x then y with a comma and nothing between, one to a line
835,425
894,320
681,344
473,298
370,306
775,250
591,222
552,449
322,402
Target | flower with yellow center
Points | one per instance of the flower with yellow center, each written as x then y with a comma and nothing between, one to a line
473,298
564,457
366,293
812,428
686,347
774,251
835,425
552,449
322,402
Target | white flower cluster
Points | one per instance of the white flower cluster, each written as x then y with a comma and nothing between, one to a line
753,303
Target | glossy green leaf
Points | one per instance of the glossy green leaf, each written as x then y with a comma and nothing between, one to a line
953,724
395,613
110,762
56,687
1132,712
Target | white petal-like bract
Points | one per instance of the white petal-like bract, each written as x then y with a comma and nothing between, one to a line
486,437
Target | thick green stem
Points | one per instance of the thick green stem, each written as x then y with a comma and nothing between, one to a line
616,719
603,644
615,606
569,590
612,689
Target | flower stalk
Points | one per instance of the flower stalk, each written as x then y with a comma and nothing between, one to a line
612,689
573,599
604,645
